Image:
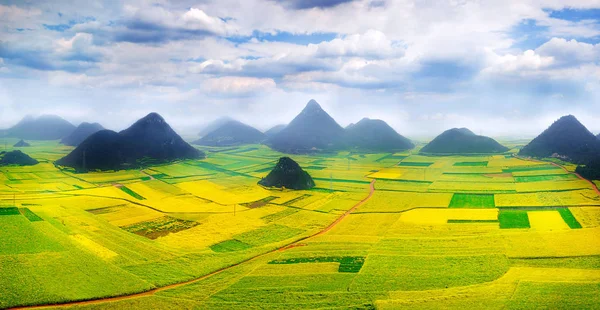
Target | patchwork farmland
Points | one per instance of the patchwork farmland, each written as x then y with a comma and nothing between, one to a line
435,232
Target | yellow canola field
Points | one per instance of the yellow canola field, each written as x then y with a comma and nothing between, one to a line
546,220
213,229
384,174
492,294
539,172
512,162
549,199
587,216
517,200
375,224
471,186
191,204
129,214
400,201
551,186
108,177
108,191
441,216
223,195
93,247
557,243
295,269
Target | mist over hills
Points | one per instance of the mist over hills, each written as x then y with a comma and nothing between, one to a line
45,127
21,143
149,140
214,125
566,138
232,133
82,132
377,136
462,141
274,130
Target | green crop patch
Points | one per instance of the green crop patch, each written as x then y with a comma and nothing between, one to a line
550,177
529,168
259,203
315,167
391,157
348,264
472,201
342,180
32,217
132,193
268,234
568,217
280,214
267,169
471,164
103,210
159,227
230,245
9,211
291,201
414,164
513,219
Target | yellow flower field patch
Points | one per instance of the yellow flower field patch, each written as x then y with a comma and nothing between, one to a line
93,247
546,220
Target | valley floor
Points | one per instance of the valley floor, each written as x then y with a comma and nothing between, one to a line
435,232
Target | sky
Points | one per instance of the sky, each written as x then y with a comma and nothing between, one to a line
504,68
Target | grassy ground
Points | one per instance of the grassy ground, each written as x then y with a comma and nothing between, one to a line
439,232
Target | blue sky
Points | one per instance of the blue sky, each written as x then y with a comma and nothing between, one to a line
499,68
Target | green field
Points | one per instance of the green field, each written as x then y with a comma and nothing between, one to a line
472,201
437,232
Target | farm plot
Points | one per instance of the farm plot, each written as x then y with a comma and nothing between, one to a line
472,201
401,201
546,220
513,219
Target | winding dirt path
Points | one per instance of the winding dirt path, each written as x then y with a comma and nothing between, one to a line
176,285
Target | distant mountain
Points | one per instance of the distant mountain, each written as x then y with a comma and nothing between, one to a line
567,139
598,136
149,140
45,127
462,141
232,133
376,135
287,173
81,133
312,130
21,143
16,158
212,126
274,130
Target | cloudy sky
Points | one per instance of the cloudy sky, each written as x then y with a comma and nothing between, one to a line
499,67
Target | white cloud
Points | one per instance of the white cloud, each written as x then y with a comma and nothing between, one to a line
238,85
570,51
522,64
371,44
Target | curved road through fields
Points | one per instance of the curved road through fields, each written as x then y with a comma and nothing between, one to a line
176,285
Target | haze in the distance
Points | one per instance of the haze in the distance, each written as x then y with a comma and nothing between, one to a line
500,68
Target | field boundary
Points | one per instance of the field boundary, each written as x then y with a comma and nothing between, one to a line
218,271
